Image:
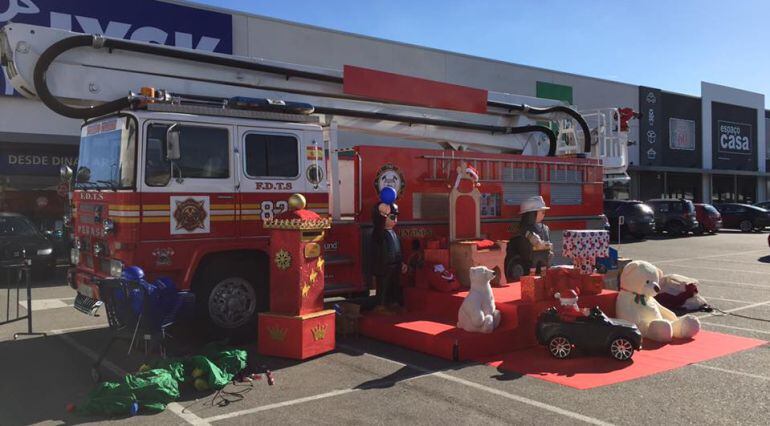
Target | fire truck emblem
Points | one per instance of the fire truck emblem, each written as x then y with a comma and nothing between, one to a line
389,175
190,215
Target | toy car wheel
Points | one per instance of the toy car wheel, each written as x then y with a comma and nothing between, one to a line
621,349
560,347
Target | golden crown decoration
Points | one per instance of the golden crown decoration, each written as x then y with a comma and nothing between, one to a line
298,224
319,332
283,259
277,333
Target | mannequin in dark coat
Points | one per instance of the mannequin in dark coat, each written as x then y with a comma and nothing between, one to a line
386,258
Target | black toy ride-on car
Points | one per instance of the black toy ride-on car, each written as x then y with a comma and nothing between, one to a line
593,333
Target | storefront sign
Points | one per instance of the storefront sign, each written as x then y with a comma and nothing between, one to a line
681,134
38,163
734,137
142,20
651,126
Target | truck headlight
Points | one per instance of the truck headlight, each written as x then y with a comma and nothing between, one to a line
116,268
108,226
45,251
74,256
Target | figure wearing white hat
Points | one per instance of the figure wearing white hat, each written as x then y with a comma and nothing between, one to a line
533,240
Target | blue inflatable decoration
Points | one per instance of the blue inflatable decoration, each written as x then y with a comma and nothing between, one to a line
388,195
133,273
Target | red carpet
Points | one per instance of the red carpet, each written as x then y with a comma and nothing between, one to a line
586,372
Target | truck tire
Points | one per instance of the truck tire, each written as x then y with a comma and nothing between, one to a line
229,295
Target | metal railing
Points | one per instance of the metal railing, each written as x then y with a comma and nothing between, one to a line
15,275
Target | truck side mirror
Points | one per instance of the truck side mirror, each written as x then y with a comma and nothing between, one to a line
65,172
173,151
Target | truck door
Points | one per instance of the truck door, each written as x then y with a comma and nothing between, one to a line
192,197
277,162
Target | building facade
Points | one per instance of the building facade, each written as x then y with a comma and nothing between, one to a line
712,147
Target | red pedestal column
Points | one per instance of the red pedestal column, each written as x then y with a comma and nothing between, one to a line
296,326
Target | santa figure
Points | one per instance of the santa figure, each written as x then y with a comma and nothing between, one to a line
568,309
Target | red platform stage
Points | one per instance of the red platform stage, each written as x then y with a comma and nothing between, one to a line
429,325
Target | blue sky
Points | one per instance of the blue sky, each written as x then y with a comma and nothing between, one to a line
672,45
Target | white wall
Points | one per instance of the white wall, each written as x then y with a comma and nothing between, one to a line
715,93
21,115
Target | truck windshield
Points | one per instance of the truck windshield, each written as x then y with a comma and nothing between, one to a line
107,154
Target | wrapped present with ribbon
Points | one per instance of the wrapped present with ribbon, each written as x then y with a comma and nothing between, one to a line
584,247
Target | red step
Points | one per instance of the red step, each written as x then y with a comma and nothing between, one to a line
429,325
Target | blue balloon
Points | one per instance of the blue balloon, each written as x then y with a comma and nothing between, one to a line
388,195
133,273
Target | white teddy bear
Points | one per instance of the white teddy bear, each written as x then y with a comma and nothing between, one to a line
636,303
478,313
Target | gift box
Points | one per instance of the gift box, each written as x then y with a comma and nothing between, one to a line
591,284
559,279
533,289
296,337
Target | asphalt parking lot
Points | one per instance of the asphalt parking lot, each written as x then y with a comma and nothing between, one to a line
365,381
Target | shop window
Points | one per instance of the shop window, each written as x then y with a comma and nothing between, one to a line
683,185
650,185
746,189
205,154
271,155
723,189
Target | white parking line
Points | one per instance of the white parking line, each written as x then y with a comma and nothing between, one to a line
684,259
740,373
732,327
278,405
43,304
498,392
753,305
741,271
728,300
722,283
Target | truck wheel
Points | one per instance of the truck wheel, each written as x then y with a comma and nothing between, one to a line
621,349
230,297
746,226
560,347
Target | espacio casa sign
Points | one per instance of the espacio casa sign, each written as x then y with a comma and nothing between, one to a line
141,20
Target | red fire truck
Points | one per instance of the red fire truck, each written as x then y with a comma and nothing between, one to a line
178,181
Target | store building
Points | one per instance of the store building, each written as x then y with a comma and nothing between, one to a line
709,149
34,141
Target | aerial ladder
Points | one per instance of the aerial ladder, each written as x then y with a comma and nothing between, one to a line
85,76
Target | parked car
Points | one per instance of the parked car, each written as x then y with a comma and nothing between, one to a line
709,218
19,239
593,333
745,217
764,204
675,216
638,218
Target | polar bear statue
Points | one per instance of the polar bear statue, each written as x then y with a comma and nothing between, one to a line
478,313
636,303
